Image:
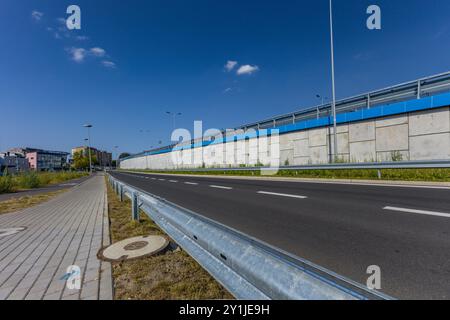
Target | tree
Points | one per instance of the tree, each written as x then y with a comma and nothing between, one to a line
81,160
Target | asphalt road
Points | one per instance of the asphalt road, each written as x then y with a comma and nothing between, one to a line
342,227
34,192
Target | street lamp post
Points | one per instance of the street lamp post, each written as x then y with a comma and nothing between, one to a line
86,144
173,115
89,126
333,104
117,155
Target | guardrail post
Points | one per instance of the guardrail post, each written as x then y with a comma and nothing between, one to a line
379,174
134,207
419,89
121,193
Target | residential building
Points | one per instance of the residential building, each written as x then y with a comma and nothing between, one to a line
43,160
13,163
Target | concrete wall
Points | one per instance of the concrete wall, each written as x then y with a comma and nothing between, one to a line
423,135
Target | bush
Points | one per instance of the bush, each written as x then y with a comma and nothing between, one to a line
6,183
29,180
45,178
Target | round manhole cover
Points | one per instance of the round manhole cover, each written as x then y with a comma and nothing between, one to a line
135,245
11,231
134,248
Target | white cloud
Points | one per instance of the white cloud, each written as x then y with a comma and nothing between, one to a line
247,69
36,15
61,21
77,54
82,38
227,90
230,65
98,52
108,64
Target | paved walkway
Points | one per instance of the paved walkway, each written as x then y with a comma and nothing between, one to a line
68,230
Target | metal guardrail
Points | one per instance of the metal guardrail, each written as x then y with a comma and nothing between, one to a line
415,89
432,164
246,267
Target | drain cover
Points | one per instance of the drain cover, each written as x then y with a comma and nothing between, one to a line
11,231
134,248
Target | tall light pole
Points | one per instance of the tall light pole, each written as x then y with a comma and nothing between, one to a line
89,126
333,104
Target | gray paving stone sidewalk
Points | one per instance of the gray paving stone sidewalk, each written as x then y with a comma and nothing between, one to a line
66,231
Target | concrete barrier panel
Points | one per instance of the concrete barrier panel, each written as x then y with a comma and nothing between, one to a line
363,151
301,148
286,155
428,122
302,135
286,142
319,155
393,138
318,137
362,131
430,147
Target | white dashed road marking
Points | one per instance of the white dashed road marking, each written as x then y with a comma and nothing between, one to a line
191,183
428,213
282,195
221,187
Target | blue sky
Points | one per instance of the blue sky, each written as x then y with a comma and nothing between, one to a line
134,60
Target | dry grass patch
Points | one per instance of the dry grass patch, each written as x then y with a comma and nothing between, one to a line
168,276
21,203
